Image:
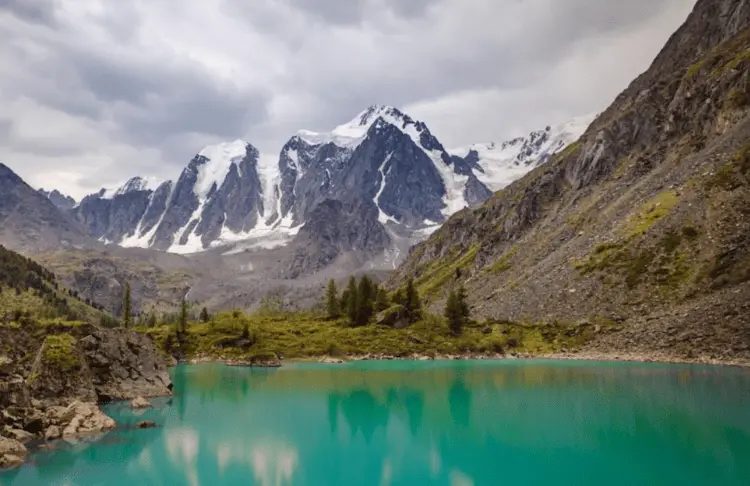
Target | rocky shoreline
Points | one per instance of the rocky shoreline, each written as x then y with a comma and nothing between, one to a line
51,383
567,356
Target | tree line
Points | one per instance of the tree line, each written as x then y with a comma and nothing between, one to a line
361,301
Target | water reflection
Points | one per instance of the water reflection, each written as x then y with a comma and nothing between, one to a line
430,423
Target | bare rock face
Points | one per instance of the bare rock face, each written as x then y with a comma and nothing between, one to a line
60,372
125,365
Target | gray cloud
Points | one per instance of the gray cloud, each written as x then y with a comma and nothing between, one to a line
140,86
34,11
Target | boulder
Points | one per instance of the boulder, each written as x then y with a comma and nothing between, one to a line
140,402
395,317
12,453
20,435
145,424
52,433
86,419
331,360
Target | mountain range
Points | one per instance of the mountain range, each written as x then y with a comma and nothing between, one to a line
381,160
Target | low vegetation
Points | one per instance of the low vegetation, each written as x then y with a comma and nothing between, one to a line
337,329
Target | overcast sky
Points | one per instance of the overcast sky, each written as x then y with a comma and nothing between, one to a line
95,91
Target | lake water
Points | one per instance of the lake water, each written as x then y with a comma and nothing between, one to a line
457,423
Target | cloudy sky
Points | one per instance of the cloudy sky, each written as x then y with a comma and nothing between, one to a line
95,91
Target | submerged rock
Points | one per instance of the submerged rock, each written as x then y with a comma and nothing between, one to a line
145,424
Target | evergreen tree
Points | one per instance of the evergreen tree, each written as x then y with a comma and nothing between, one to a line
152,319
381,301
411,302
457,310
126,307
365,301
204,315
333,306
182,323
351,300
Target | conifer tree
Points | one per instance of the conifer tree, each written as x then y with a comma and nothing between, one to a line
381,301
204,315
457,310
182,323
351,300
333,306
411,302
365,301
126,307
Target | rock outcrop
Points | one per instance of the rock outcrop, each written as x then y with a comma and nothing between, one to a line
73,369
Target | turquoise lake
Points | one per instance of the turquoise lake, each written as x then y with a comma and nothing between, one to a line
453,423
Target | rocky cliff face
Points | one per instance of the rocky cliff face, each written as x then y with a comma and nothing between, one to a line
642,225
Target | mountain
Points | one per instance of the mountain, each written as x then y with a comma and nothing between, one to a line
218,194
641,227
227,197
30,221
58,199
498,164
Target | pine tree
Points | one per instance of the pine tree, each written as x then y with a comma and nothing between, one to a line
365,301
411,302
333,306
182,323
457,310
452,313
126,307
152,319
351,300
204,315
381,301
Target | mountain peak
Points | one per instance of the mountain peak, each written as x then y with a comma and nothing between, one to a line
133,184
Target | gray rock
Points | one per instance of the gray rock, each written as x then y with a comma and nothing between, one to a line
139,403
12,453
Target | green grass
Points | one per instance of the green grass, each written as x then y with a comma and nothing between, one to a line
438,273
306,336
59,351
503,264
651,213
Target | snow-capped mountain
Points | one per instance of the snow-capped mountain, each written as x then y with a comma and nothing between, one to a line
499,164
383,165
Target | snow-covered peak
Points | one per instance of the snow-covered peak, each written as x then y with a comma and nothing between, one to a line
503,163
220,159
132,185
352,133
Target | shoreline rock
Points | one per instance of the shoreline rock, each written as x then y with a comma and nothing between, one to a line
12,453
140,403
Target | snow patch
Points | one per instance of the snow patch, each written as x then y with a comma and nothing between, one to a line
220,159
